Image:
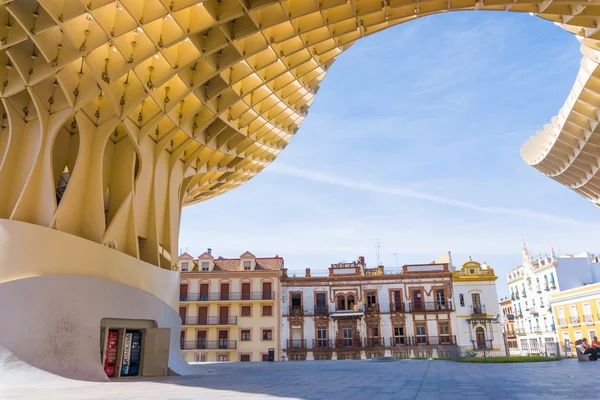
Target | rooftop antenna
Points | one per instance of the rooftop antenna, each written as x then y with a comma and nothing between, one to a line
378,245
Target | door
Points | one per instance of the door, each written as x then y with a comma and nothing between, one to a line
223,315
417,298
347,336
440,299
202,315
397,301
224,291
587,313
321,337
201,340
476,303
183,314
155,362
480,337
267,291
321,307
183,292
245,290
223,335
203,291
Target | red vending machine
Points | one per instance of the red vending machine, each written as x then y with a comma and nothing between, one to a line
110,359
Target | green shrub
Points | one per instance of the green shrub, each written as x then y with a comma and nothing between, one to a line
508,359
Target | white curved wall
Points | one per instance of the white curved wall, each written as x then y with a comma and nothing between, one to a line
53,322
31,250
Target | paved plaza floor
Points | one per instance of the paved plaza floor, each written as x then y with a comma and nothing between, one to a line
361,379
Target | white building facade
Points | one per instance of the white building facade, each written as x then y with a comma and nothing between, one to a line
477,311
357,312
532,285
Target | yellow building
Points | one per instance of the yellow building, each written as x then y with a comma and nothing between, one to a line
229,308
577,312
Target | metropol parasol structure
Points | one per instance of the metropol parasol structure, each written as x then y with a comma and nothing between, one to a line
115,114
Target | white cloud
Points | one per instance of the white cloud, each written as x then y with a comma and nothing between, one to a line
314,176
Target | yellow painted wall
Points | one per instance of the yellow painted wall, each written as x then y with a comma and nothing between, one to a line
255,323
589,294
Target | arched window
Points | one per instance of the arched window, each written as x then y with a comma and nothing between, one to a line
351,302
341,302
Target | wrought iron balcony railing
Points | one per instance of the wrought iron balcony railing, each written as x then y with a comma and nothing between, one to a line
209,344
562,322
323,344
348,343
575,320
478,310
321,310
299,344
227,296
521,331
422,340
589,319
372,309
374,342
210,321
486,344
430,306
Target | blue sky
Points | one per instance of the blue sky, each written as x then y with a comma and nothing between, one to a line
414,140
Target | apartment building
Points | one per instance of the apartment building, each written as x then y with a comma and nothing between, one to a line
532,285
229,307
577,313
357,312
508,325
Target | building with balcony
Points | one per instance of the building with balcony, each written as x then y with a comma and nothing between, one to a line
356,312
477,312
229,307
532,285
577,313
508,326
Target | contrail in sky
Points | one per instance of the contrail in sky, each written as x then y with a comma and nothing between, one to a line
314,176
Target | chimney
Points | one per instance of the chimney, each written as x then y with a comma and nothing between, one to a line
308,272
209,250
361,259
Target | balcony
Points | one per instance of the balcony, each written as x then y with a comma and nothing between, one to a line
235,296
552,285
321,310
575,320
422,341
372,309
478,310
588,319
533,311
562,322
482,344
323,344
430,306
521,332
296,344
295,311
553,328
547,288
510,317
512,297
519,315
524,294
356,311
222,344
539,288
399,307
511,334
374,342
537,330
348,344
210,321
517,296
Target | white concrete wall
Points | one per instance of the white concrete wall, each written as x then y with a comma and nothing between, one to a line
53,322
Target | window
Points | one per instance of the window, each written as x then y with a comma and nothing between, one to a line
247,265
371,298
245,334
223,357
421,334
399,334
351,302
417,299
440,299
246,311
322,356
476,301
587,313
462,300
397,301
205,266
245,357
267,311
444,329
321,336
185,266
296,301
321,303
265,357
268,334
574,315
592,334
347,331
341,303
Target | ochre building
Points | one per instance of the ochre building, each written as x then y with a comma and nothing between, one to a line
229,307
577,313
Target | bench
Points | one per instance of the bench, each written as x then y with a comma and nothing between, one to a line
583,357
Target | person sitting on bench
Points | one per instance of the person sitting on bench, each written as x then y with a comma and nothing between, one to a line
583,348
